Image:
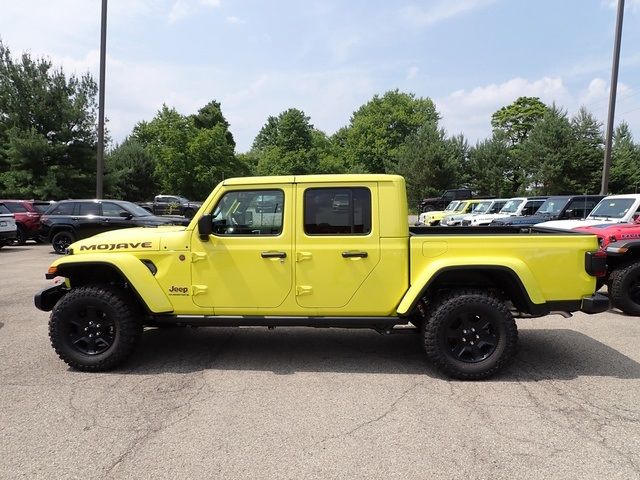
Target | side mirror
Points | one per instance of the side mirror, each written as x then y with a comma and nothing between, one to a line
205,227
126,215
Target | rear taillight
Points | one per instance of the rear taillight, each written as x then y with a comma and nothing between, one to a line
595,263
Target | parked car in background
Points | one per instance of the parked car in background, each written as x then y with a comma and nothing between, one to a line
559,207
433,217
71,220
27,215
171,205
438,203
480,207
7,226
611,209
621,244
515,207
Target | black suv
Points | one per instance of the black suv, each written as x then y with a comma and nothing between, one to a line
71,220
561,207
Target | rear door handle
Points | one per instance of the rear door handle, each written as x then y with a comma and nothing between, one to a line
273,254
351,254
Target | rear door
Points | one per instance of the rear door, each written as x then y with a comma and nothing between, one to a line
337,242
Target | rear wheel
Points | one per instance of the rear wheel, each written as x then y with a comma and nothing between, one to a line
470,335
62,240
624,288
95,328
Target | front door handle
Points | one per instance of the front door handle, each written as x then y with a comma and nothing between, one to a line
273,254
352,254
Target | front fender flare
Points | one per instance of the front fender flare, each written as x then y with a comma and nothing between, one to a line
130,268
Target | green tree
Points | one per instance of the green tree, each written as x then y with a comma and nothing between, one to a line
192,153
547,154
625,162
130,172
378,129
285,145
430,162
488,167
518,119
514,122
47,130
585,162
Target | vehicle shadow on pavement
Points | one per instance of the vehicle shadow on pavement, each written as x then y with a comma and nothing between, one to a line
543,354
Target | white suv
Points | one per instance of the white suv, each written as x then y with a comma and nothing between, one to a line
611,209
8,229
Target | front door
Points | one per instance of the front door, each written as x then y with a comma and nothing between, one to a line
246,263
337,243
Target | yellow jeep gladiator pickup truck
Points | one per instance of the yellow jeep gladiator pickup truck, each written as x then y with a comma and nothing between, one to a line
318,251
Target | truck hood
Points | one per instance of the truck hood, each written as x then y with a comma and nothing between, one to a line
526,220
126,239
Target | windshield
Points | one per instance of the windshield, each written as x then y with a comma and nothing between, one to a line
460,206
136,210
612,208
452,206
497,206
552,206
481,207
511,206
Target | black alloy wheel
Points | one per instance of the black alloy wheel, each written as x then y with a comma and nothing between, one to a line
470,337
95,327
470,334
90,330
61,241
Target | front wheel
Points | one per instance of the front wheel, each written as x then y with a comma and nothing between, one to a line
624,288
61,241
189,213
94,328
470,335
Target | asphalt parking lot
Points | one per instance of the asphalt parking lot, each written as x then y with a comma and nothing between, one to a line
305,403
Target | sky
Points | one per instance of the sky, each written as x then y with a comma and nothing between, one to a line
327,58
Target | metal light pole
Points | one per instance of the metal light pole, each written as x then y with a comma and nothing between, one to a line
103,51
612,100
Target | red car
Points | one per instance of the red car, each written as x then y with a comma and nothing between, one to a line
621,243
27,214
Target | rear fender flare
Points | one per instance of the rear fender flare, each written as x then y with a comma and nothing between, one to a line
524,280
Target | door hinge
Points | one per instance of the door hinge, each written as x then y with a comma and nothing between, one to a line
198,289
197,256
302,256
303,290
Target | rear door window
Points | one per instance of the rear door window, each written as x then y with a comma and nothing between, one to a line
337,211
15,207
89,208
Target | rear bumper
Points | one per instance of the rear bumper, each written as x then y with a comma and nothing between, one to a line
596,303
46,299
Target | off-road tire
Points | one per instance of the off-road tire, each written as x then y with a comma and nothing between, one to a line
114,305
624,288
61,240
470,307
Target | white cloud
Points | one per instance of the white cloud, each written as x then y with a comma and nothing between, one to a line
182,9
439,11
412,72
469,111
234,20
